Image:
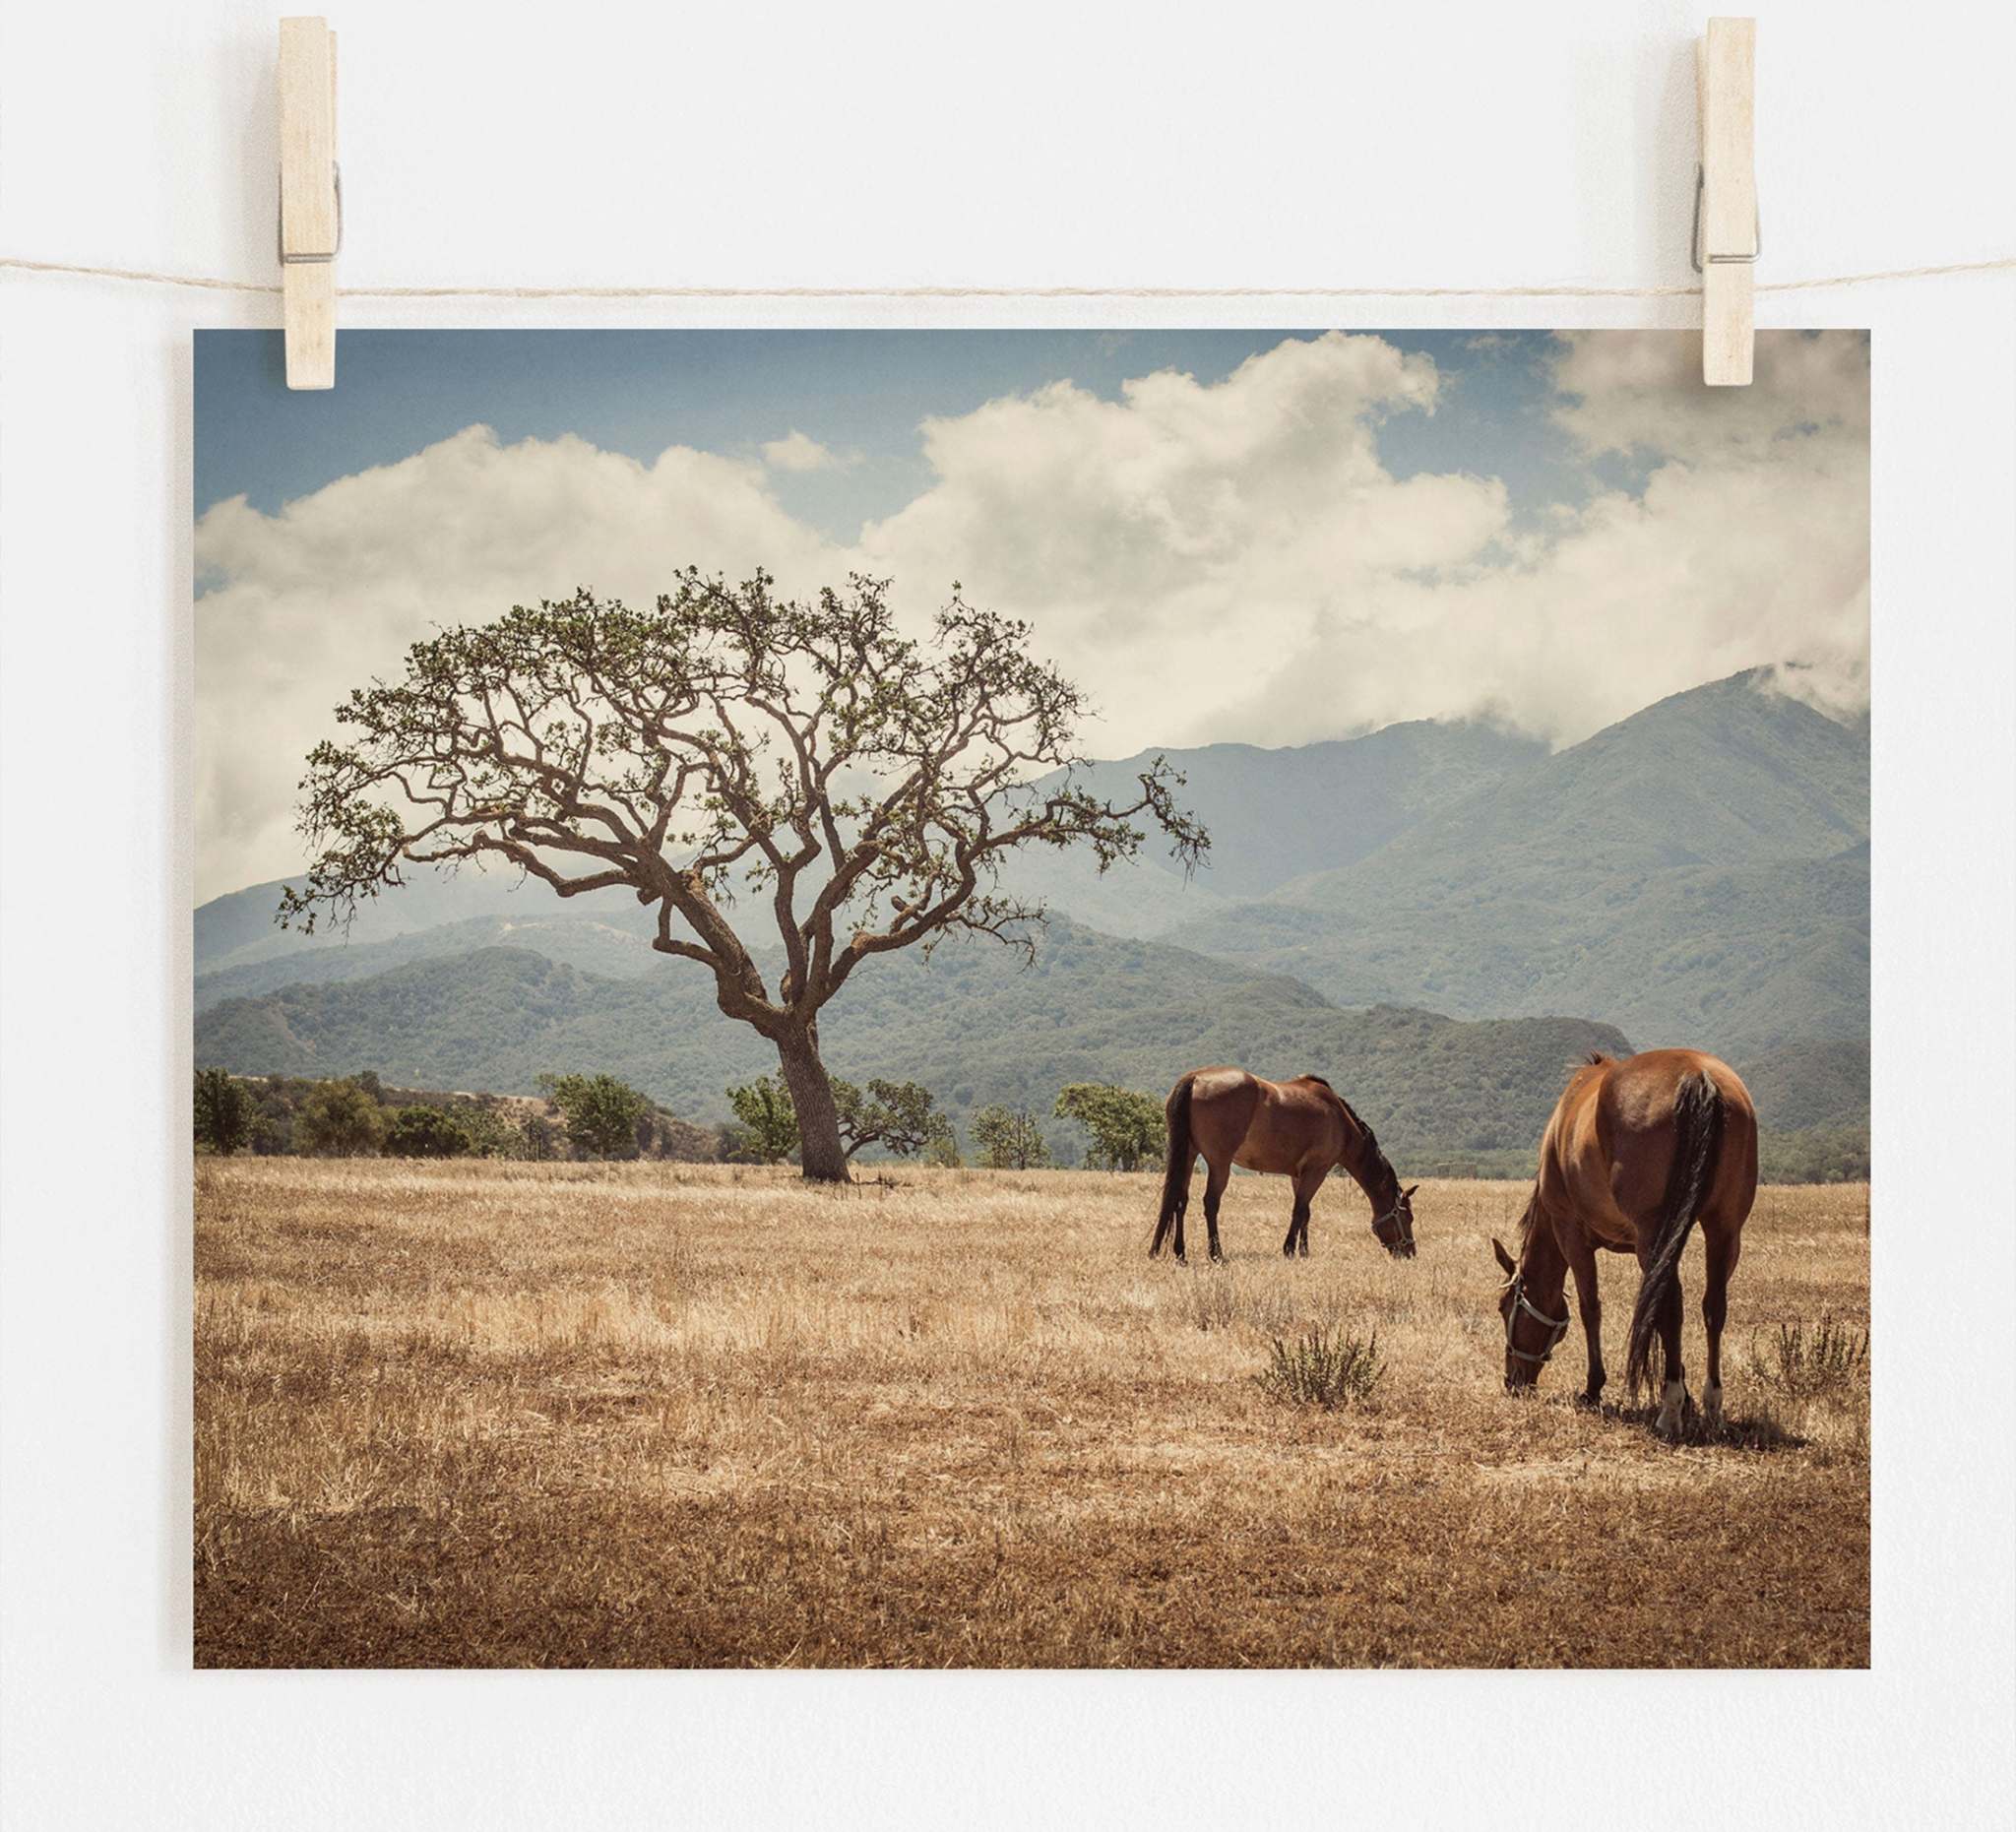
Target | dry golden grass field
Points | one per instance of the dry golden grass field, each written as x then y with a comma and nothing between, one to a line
499,1414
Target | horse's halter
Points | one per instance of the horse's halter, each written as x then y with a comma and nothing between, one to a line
1556,1327
1402,1223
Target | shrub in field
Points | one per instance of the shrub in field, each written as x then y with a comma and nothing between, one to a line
602,1112
1805,1364
901,1118
898,1117
1009,1139
340,1118
768,1123
538,1141
492,1131
1322,1367
1127,1129
427,1132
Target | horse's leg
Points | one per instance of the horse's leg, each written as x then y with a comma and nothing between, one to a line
1297,1240
1673,1399
1306,1191
1724,1246
1214,1187
1581,1257
1214,1175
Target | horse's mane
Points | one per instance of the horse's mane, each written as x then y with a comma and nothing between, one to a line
1349,1112
1595,1059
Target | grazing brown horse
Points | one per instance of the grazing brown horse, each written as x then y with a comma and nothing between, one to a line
1300,1129
1637,1150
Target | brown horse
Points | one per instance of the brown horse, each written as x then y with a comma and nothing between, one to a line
1637,1150
1300,1129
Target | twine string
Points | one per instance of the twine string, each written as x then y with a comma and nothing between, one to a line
150,278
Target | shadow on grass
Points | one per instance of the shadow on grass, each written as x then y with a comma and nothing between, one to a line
1760,1431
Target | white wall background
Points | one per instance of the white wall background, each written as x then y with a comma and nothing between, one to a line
1252,146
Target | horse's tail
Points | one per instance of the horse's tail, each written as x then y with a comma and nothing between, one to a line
1697,1143
1182,1159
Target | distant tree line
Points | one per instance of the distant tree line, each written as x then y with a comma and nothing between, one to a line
602,1117
1123,1130
576,1116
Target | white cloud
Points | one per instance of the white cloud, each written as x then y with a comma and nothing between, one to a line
1628,389
1234,562
1176,545
1229,560
332,590
798,451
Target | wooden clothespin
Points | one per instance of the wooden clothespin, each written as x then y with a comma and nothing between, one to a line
1726,239
310,200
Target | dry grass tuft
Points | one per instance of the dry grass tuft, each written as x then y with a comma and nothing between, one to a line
1831,1359
1322,1367
500,1414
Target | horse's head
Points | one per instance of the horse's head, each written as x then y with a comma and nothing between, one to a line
1394,1231
1529,1333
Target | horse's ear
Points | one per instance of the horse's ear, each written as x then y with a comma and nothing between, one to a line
1504,1259
1406,1194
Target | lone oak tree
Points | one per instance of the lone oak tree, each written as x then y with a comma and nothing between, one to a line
731,745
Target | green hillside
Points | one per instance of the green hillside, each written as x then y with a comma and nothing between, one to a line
239,927
1697,873
1807,1086
595,944
971,1022
1273,815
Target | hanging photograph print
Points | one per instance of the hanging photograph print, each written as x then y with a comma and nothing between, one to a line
1036,999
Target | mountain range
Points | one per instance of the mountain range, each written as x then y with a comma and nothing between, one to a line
1697,873
1438,915
1272,816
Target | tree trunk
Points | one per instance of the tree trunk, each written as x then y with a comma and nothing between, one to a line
820,1152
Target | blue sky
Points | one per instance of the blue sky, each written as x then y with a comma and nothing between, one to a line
863,394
